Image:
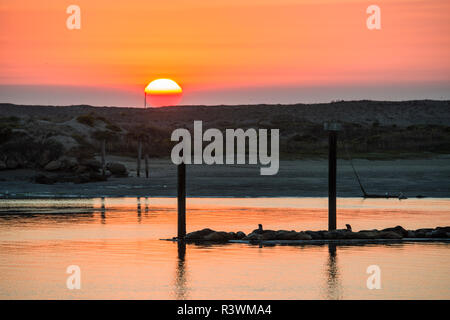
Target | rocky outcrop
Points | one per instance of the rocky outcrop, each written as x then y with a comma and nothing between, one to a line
219,236
54,165
66,169
240,235
198,235
396,233
117,169
439,232
398,229
91,164
389,235
277,235
67,164
214,236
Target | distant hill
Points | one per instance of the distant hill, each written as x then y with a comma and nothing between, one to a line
363,112
372,129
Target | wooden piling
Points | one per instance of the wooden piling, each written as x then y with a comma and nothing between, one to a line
181,168
332,181
332,129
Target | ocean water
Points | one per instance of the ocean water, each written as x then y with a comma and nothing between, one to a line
116,244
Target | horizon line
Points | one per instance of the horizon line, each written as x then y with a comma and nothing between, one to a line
223,105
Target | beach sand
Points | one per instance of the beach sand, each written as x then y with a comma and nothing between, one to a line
296,178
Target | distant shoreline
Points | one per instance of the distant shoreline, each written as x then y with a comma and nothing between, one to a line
297,178
299,103
396,147
87,197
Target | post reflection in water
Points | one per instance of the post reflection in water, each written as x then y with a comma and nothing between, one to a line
333,287
139,209
103,211
181,289
146,205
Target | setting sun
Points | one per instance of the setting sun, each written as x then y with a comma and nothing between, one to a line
286,151
163,92
163,86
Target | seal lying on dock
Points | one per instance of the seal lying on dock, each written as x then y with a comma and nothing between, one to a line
396,233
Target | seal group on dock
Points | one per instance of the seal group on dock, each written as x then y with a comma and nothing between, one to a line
395,233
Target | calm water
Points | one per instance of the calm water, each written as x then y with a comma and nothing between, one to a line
120,254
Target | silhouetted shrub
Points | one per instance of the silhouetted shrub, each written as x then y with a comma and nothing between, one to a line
82,153
113,127
87,119
5,134
28,150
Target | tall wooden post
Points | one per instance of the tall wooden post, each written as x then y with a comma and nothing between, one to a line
181,201
332,129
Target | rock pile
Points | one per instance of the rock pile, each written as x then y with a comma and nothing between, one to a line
214,236
259,234
69,170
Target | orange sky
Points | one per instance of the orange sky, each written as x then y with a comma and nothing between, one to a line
225,45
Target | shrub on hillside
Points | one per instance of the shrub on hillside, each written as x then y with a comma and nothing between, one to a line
87,119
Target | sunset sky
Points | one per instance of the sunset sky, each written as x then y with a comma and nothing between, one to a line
223,51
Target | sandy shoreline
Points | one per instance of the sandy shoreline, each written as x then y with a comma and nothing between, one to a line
296,178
